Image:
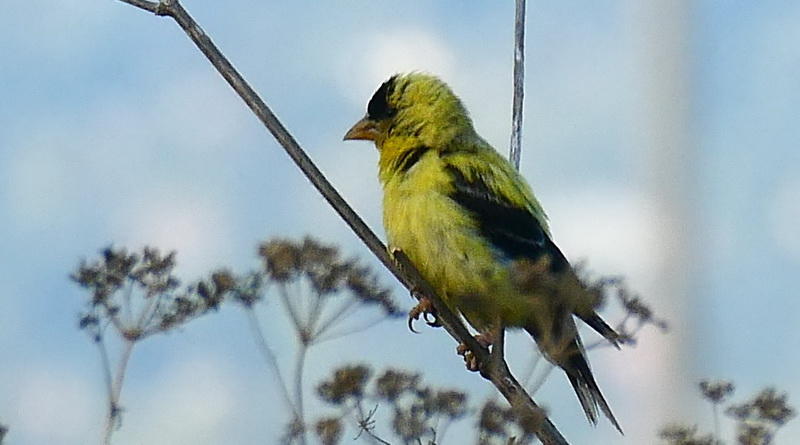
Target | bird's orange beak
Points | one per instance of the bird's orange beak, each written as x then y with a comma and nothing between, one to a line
364,130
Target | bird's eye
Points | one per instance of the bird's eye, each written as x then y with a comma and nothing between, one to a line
378,107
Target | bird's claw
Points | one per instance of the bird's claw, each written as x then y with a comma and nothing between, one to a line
470,359
426,310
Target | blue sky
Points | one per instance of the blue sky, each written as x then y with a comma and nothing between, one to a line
114,129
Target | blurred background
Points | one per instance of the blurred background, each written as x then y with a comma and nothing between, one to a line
662,137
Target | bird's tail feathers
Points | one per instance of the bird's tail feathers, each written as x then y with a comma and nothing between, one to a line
589,395
602,328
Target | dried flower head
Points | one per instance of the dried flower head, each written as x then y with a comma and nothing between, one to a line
329,430
753,434
294,430
767,407
326,271
394,383
410,424
757,420
137,293
716,391
450,403
249,289
529,422
494,419
683,435
281,259
347,382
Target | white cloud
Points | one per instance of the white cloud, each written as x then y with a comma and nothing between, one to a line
115,150
176,219
613,229
390,52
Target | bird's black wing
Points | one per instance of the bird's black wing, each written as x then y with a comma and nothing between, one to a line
515,231
511,229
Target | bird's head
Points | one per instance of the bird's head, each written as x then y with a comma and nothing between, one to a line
413,109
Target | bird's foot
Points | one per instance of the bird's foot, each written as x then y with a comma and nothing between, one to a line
470,360
485,339
425,310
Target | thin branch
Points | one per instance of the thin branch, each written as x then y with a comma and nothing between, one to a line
148,312
115,388
153,310
112,408
147,6
299,327
715,406
114,316
365,423
127,309
536,358
500,376
349,331
298,389
269,356
441,431
515,150
345,309
316,311
533,388
122,366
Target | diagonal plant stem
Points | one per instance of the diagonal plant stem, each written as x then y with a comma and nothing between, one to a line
405,272
269,357
349,331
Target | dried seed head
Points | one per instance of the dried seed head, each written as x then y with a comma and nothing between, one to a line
329,430
393,383
716,391
493,419
347,382
683,435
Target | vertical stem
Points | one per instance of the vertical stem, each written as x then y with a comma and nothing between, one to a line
269,357
109,388
290,309
116,389
298,389
519,80
716,419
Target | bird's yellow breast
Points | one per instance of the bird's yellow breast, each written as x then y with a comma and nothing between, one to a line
443,242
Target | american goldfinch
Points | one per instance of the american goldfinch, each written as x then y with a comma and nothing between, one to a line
465,218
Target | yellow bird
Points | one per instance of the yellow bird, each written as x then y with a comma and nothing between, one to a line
465,218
